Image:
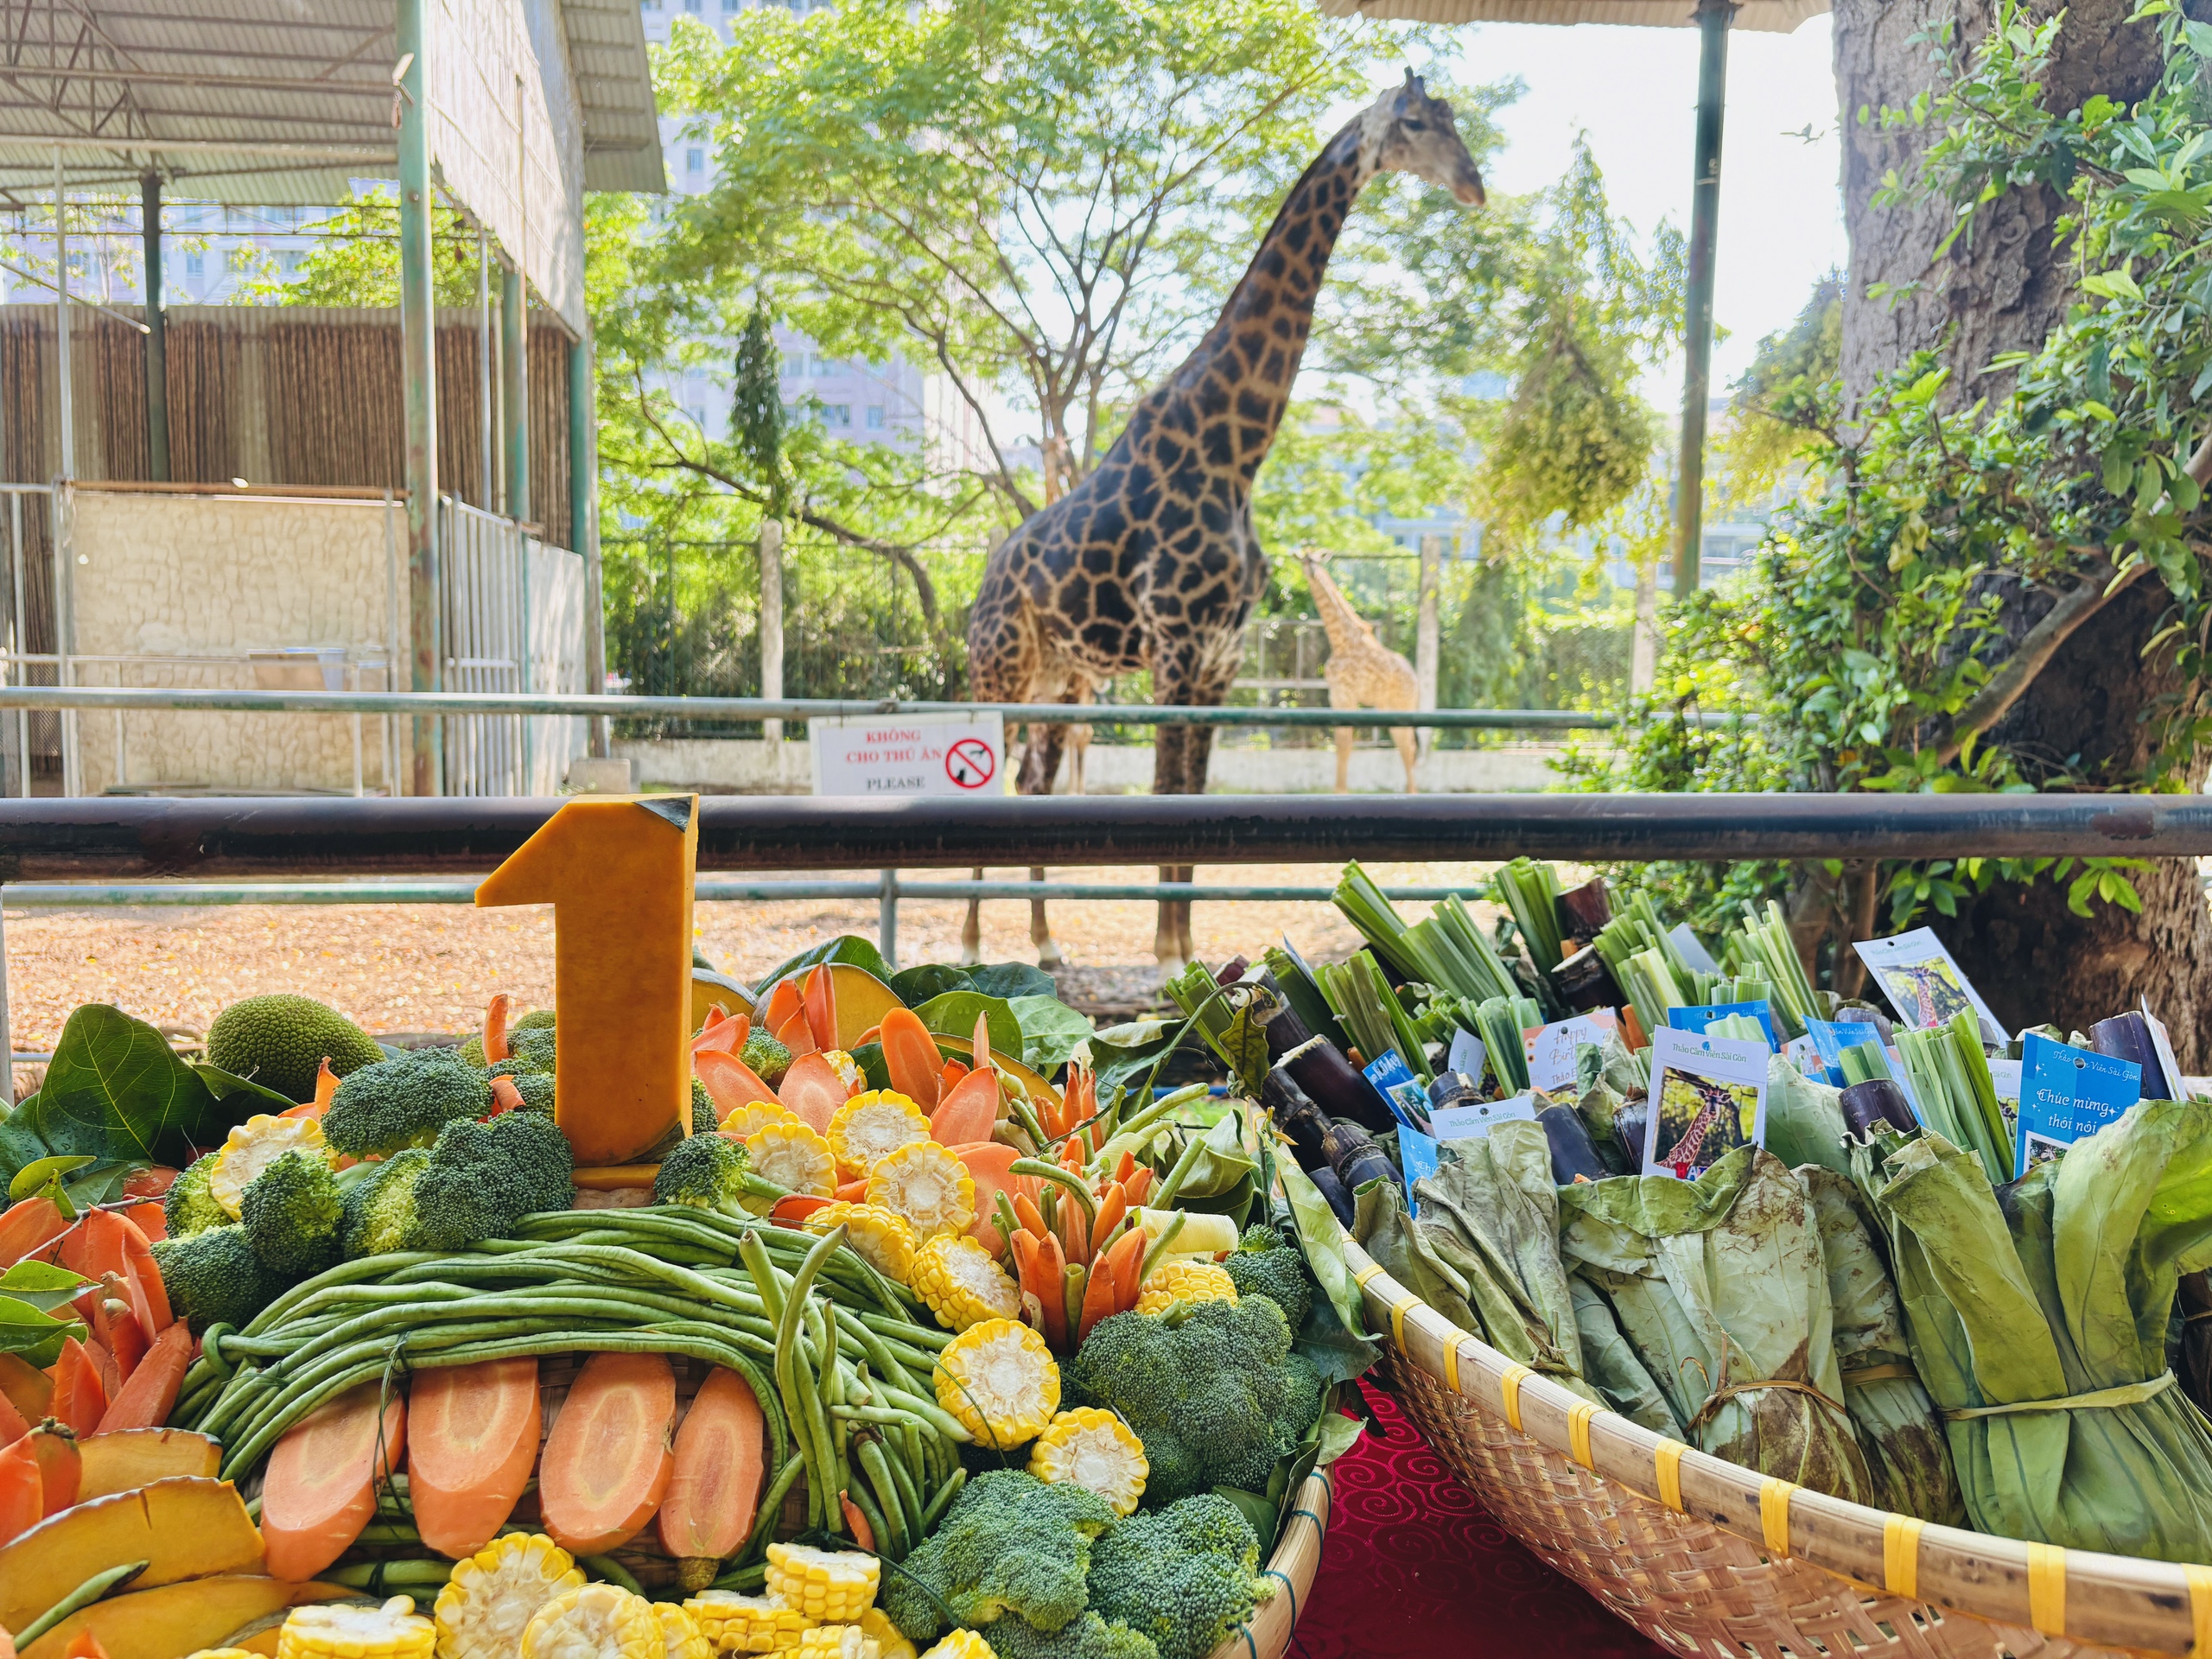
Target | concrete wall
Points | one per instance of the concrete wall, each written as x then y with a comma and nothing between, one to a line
749,768
204,579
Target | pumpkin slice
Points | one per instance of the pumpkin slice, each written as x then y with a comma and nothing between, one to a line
121,1461
321,1487
181,1529
608,1459
180,1618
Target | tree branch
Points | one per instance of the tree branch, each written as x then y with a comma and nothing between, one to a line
2018,672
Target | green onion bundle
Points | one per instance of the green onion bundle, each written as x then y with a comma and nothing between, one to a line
1769,945
1499,1021
1449,950
1958,1098
1361,999
1531,891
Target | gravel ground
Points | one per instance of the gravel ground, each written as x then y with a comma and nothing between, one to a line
428,968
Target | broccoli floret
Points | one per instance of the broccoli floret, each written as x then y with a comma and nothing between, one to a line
1211,1389
189,1207
1010,1546
766,1057
1262,1265
711,1171
483,1177
293,1214
380,1207
1088,1637
280,1042
536,1088
214,1278
1184,1575
404,1101
703,1121
532,1046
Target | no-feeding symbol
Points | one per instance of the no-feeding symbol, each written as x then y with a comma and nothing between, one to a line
970,763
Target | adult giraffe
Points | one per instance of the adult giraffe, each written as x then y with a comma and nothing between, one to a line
1151,563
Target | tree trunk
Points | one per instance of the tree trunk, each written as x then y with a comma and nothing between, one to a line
2029,955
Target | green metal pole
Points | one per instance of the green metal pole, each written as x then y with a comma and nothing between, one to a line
583,522
157,372
1714,17
419,369
514,388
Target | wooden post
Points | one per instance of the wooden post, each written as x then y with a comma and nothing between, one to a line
771,631
419,369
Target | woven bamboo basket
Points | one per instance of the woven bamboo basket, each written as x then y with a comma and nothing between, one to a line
1706,1557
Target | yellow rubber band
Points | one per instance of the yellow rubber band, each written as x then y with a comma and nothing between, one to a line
1667,1466
2047,1589
1452,1339
2200,1608
1509,1386
1398,1321
1367,1275
1774,1512
1578,1433
1901,1555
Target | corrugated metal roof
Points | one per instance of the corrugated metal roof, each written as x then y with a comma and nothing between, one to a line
614,84
1766,16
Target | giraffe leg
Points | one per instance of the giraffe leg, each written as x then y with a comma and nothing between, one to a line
1403,737
1166,777
1344,759
1078,752
1040,765
971,931
1040,929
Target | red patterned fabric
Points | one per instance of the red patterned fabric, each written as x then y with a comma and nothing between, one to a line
1414,1565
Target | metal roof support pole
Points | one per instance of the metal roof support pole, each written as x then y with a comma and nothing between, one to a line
1714,17
419,371
491,500
61,374
584,524
157,355
514,395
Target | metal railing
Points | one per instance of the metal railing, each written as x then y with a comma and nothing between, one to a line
68,854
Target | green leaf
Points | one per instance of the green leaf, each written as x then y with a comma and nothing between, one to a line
953,1014
846,947
33,1335
42,1284
1050,1031
1339,1434
255,1097
115,1090
2197,37
1011,980
33,1176
914,986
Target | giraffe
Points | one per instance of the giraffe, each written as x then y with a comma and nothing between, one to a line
1362,671
1152,562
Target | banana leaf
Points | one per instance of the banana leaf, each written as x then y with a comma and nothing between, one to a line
1804,1119
1613,1366
1899,1428
2061,1286
1721,1284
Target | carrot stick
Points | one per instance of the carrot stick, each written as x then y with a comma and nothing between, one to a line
796,1208
1126,1261
1111,1209
150,1394
1047,1281
495,1029
1138,1183
819,1000
149,1297
1126,1168
952,1071
1098,1300
505,1097
1025,1210
856,1523
854,1191
968,1111
79,1397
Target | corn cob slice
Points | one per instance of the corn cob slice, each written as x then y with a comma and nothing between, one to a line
681,1633
829,1586
252,1147
1185,1281
848,1070
838,1641
225,1653
758,1115
486,1604
883,1240
888,1636
961,1284
927,1184
871,1125
794,1157
1095,1449
594,1621
344,1630
961,1644
737,1624
999,1380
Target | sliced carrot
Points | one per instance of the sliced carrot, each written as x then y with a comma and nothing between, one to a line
979,1049
1071,1153
23,1504
991,1163
968,1111
951,1073
12,1426
80,1398
783,1001
797,1207
1075,1233
1048,1281
29,1390
321,1487
102,1358
1098,1300
149,1219
1137,1183
1122,1262
94,1246
28,1227
724,1036
814,1091
325,1085
819,1000
856,1523
729,1081
910,1056
505,1097
472,1440
114,1326
1126,1168
715,1487
60,1470
607,1461
495,1029
854,1191
84,1645
797,1036
1111,1209
149,1297
150,1394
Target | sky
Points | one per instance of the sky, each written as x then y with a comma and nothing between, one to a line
1634,91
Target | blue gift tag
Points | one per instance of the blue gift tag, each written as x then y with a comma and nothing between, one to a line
2068,1094
1417,1158
1395,1079
1831,1037
1699,1015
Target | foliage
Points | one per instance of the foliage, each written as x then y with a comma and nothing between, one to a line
1785,400
355,261
1872,647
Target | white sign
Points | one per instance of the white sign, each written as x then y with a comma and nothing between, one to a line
1550,1049
1473,1121
908,754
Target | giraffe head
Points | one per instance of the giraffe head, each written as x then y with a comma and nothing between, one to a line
1406,130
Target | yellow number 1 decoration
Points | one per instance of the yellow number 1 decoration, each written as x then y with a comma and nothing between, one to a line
618,872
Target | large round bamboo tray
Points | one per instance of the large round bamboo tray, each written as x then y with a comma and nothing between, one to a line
1709,1558
1291,1568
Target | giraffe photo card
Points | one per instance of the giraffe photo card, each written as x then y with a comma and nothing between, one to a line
1708,1097
1923,984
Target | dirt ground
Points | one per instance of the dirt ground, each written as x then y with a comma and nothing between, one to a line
430,967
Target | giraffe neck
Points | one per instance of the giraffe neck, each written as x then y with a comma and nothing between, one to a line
1344,627
1250,355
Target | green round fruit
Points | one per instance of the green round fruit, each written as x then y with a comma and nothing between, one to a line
279,1042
